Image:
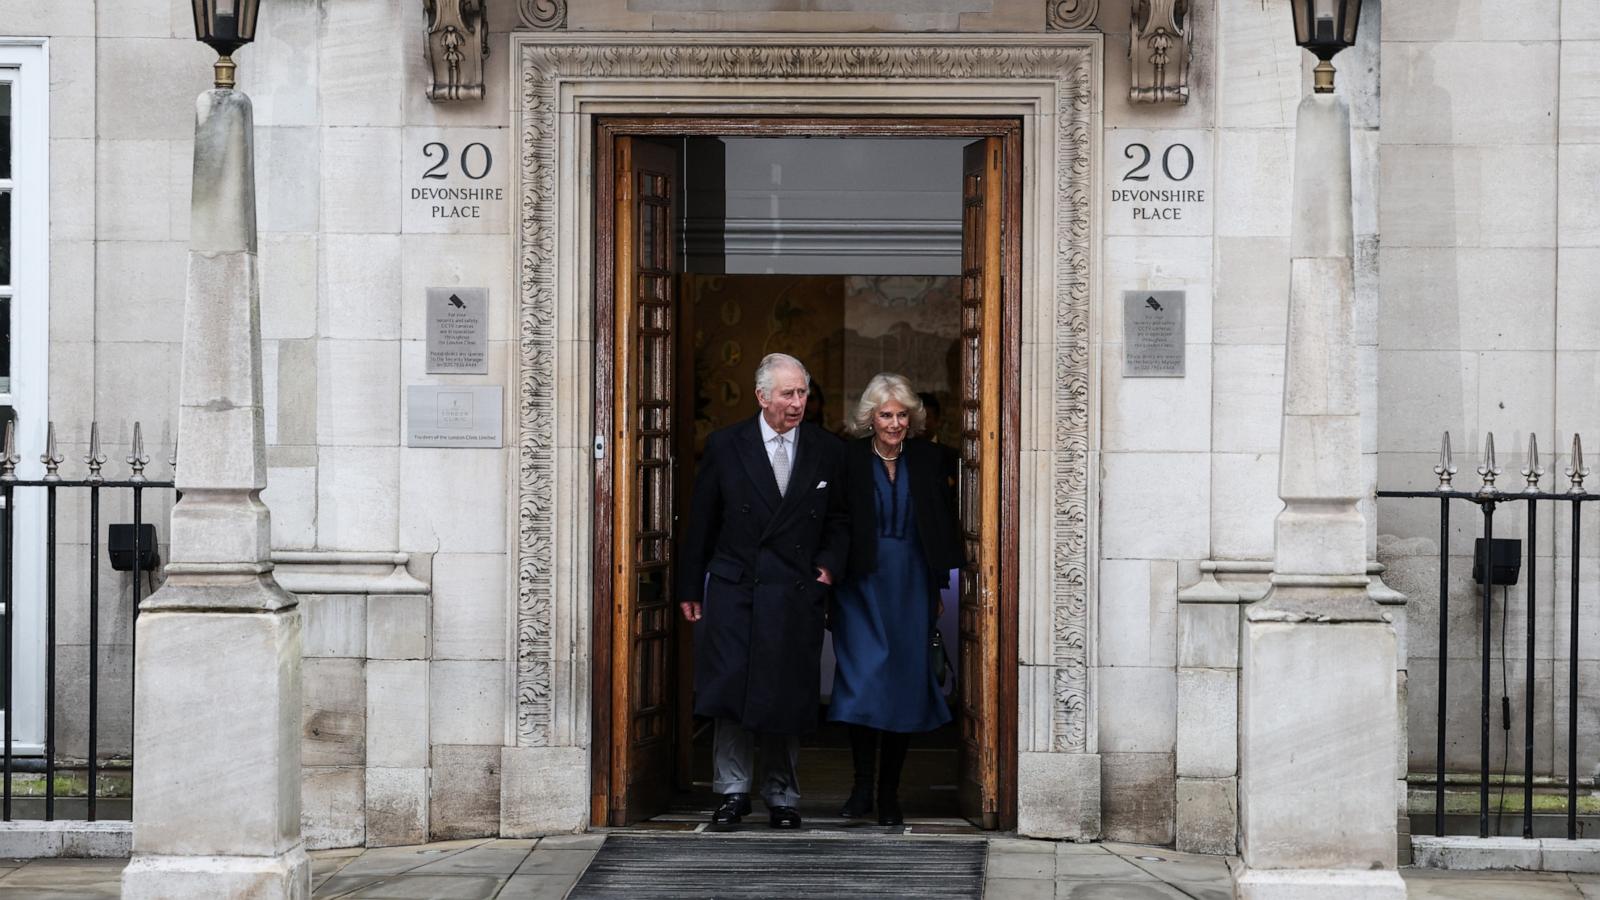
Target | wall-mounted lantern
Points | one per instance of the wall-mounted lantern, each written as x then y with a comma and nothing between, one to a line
458,43
225,26
1159,51
1325,27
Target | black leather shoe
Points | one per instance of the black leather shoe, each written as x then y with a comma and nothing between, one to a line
784,817
734,808
889,810
859,805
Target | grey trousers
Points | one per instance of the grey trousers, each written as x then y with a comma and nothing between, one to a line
733,759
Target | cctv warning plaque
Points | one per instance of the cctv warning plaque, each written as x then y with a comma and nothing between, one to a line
458,324
1152,334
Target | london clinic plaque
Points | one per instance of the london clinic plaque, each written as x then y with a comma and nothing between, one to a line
453,415
1152,334
458,324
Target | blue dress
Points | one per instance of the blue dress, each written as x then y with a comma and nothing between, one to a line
881,625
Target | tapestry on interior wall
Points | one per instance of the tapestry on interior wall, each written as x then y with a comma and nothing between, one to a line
845,328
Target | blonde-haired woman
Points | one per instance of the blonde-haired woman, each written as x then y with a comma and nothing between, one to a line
904,540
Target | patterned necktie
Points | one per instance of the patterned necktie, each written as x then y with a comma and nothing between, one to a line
780,464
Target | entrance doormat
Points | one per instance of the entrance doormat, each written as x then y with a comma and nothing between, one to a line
734,866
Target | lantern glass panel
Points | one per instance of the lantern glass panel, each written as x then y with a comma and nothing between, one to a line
225,24
1325,26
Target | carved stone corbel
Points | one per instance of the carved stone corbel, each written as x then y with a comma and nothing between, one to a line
1070,15
1159,49
458,43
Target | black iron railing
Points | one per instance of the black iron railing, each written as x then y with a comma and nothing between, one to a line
140,558
1486,500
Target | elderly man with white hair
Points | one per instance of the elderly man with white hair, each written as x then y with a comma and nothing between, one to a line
767,533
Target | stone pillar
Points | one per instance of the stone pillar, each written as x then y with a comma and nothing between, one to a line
1317,729
217,709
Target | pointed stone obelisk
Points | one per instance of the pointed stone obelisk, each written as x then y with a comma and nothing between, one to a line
216,760
1317,695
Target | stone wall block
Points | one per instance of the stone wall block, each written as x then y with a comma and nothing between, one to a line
335,625
357,497
358,395
397,713
1137,797
467,701
1059,795
1208,723
333,807
397,806
361,178
1208,635
289,288
397,626
153,91
1138,488
538,794
465,796
1208,815
469,608
1137,709
287,185
335,712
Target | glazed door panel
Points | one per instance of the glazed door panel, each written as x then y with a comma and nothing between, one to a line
643,689
982,201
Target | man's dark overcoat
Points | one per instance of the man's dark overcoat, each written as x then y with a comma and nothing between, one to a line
752,556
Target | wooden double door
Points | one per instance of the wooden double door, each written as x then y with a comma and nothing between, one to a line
643,722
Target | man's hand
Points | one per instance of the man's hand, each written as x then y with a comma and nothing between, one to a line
824,576
692,610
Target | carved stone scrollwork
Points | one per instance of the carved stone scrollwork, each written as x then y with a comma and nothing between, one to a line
543,15
1159,51
1070,15
458,43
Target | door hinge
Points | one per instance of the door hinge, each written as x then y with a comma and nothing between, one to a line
599,446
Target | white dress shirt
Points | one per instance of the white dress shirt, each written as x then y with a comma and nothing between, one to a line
767,435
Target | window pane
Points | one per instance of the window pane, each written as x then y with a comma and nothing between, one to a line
5,129
5,237
5,345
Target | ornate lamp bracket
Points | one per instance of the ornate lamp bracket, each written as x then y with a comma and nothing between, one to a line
1159,50
458,43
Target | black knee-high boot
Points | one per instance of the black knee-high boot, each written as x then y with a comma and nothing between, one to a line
863,750
895,745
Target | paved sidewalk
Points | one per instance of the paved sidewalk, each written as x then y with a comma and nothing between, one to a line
547,869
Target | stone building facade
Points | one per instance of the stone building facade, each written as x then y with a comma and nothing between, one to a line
448,594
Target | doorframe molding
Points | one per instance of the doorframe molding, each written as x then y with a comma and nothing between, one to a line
1052,83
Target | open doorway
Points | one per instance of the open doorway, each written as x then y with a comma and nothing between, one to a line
858,247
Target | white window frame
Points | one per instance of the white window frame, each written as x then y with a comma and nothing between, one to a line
24,63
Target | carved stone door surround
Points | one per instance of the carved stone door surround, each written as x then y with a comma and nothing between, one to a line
1049,81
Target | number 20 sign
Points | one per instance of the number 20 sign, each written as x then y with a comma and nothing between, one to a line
456,181
1158,182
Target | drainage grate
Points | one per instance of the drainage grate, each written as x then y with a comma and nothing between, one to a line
728,866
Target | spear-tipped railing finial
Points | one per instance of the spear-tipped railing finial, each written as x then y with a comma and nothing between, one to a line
1489,469
1577,471
51,457
8,462
95,459
1446,469
137,458
1531,469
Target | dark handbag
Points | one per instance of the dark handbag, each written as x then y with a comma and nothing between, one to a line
940,659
